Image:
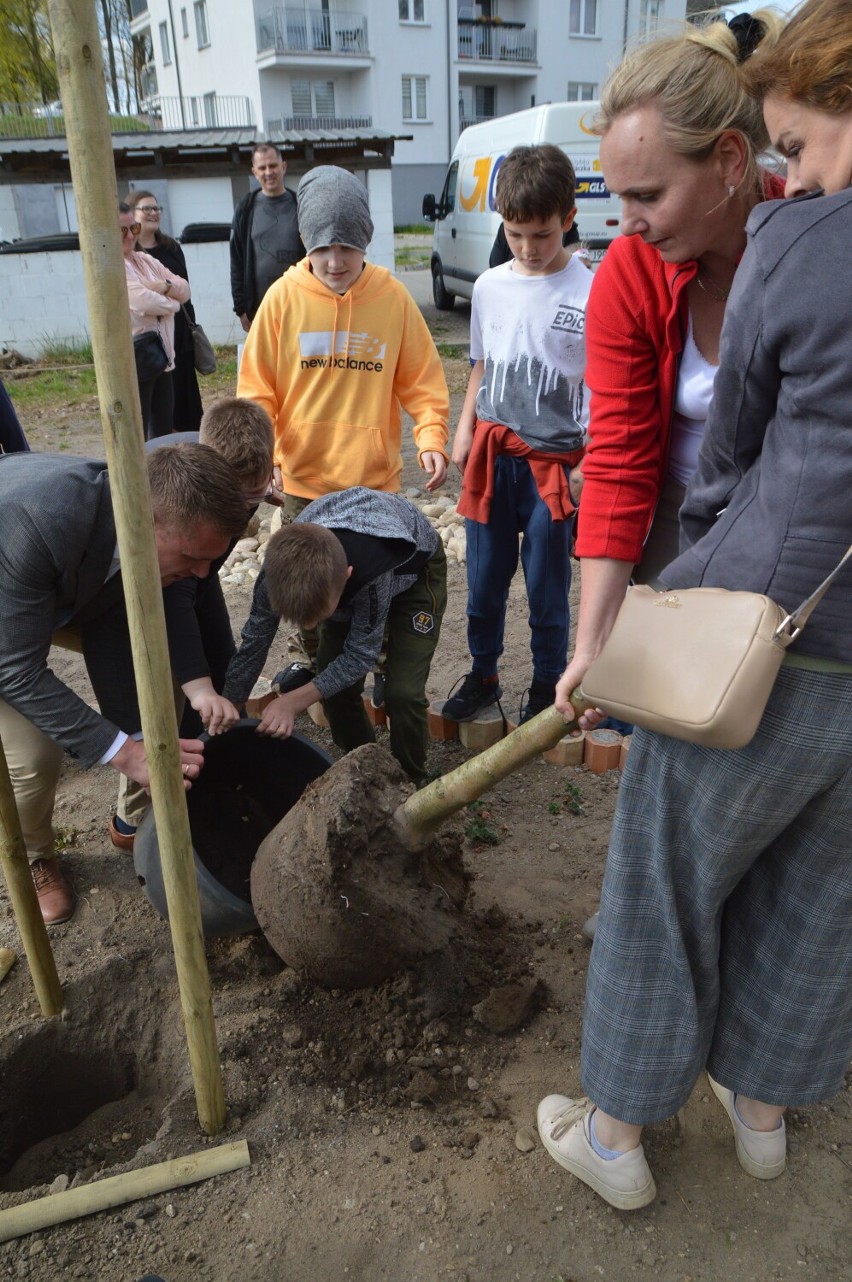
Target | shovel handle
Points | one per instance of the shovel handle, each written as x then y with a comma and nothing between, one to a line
423,811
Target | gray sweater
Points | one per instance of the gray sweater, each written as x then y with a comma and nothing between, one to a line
769,508
397,532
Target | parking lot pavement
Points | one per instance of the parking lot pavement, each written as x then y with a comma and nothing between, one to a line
445,327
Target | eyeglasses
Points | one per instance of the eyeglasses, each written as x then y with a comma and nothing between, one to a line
133,230
150,209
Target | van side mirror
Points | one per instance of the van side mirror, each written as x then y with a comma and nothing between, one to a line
430,212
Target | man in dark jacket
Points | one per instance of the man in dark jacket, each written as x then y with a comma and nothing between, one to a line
264,235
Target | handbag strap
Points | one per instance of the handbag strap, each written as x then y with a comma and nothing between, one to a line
190,322
790,627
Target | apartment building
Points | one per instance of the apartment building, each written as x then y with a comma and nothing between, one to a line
423,69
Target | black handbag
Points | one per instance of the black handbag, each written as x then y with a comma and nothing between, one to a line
151,356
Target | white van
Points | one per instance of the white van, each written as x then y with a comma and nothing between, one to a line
465,219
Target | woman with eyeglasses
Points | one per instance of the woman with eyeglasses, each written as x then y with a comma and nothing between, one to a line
155,295
152,240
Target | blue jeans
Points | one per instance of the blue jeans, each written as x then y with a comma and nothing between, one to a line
492,559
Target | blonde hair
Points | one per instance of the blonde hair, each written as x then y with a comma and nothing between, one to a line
696,80
303,566
241,431
809,60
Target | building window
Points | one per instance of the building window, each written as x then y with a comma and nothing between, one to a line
583,18
165,45
201,29
581,91
650,12
412,10
312,97
414,98
184,22
484,102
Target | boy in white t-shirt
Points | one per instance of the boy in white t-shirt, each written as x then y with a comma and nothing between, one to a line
522,429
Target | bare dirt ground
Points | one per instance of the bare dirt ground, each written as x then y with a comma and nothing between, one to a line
392,1135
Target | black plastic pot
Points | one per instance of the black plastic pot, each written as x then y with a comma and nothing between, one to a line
248,784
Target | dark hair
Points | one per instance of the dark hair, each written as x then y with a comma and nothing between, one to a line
193,485
535,182
160,237
265,146
808,60
124,208
304,565
241,431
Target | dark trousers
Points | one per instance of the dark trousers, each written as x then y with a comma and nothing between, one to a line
492,559
412,631
158,405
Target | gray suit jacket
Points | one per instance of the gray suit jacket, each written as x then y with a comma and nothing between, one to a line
57,541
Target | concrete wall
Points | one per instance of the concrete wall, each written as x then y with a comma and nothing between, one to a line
43,296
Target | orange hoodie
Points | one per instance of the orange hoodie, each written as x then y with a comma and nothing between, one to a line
334,373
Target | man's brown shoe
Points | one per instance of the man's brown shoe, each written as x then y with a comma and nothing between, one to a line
121,840
55,896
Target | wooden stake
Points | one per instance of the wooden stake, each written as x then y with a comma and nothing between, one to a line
22,892
422,813
82,87
119,1189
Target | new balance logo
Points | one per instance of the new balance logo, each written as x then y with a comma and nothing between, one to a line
358,351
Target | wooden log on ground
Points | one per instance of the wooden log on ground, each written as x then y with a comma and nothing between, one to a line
116,1190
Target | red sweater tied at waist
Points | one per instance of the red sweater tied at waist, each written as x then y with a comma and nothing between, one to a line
547,467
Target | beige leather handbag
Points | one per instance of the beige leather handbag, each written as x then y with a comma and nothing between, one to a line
697,664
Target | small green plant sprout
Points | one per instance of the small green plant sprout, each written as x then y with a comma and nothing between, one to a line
573,801
554,808
479,830
65,838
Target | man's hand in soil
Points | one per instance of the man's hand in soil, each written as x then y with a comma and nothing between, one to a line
130,760
280,715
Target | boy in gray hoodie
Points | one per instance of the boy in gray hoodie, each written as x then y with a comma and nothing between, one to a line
354,562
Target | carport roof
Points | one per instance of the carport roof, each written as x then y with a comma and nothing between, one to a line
199,153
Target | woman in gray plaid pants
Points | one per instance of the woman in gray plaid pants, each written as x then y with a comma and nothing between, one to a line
725,934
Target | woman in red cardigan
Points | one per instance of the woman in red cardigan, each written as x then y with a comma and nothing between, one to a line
680,137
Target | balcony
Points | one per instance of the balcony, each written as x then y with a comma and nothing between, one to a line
495,41
312,31
205,111
316,124
466,121
137,8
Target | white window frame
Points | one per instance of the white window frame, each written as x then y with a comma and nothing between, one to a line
410,18
580,33
414,118
650,16
165,44
312,91
184,22
202,25
579,87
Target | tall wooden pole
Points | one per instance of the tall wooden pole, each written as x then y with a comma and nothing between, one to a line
16,869
83,91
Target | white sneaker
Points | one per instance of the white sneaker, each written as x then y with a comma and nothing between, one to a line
625,1182
762,1154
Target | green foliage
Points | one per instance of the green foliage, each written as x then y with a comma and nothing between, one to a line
554,808
478,829
413,229
572,801
27,62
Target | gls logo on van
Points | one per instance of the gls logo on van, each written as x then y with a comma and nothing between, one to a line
478,182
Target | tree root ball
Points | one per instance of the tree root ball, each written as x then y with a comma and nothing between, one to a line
338,896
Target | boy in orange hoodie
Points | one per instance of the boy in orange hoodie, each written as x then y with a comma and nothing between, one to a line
336,351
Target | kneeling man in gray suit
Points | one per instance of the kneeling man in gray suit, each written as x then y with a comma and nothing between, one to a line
59,568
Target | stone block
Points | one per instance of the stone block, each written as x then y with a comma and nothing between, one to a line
569,751
602,750
255,704
439,726
317,715
489,727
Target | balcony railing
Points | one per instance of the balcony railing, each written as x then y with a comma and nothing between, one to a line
282,30
137,8
35,120
497,42
466,121
280,124
230,111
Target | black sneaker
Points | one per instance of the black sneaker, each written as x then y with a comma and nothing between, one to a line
476,694
540,695
292,677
